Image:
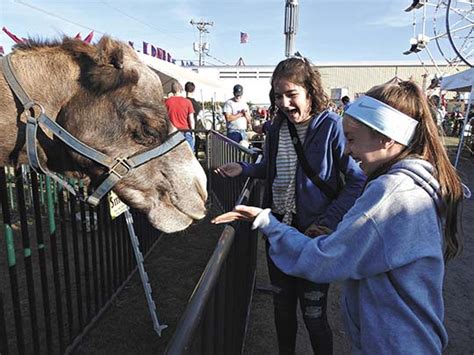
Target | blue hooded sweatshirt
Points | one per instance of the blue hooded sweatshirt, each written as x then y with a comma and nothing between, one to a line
324,151
389,251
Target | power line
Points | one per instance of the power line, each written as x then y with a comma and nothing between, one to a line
138,20
212,63
86,27
56,16
220,61
121,12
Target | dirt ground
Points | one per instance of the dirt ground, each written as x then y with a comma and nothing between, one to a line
176,263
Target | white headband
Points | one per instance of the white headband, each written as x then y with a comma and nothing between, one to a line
383,118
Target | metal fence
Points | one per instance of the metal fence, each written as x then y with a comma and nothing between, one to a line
61,263
215,320
221,150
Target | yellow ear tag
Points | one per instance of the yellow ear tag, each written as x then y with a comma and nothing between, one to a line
117,207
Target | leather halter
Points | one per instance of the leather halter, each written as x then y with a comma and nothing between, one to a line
117,167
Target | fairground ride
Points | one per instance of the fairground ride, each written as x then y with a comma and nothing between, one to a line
446,26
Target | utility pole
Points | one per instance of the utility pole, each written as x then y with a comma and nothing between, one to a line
291,24
202,47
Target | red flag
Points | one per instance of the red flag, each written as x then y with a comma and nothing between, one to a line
78,36
2,52
12,36
153,51
244,37
145,47
88,39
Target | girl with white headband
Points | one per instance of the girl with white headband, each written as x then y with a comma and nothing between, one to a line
392,245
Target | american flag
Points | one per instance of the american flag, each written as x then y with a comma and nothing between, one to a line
244,37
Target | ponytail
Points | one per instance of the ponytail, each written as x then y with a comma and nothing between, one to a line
408,98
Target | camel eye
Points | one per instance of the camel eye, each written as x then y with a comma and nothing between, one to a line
150,131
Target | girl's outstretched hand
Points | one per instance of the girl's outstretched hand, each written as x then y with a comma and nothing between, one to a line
240,213
229,170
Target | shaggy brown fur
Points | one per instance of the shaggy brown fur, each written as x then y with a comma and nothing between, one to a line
107,98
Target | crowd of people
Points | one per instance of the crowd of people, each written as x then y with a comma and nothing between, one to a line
244,125
450,123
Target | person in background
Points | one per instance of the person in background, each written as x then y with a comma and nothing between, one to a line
261,128
437,111
332,106
189,87
392,245
181,112
313,201
346,102
236,113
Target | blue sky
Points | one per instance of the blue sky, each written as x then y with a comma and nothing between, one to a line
329,30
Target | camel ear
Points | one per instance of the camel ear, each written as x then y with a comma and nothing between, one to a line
109,53
103,65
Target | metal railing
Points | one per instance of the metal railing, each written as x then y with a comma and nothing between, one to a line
215,320
61,263
222,150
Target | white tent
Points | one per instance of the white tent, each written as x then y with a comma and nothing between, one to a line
169,71
463,81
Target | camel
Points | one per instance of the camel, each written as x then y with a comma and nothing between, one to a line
105,97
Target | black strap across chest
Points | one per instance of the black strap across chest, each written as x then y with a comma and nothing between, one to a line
308,170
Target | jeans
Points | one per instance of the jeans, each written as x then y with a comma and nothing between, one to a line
287,290
190,139
237,135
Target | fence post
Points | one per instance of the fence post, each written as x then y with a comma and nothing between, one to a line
11,259
50,197
25,237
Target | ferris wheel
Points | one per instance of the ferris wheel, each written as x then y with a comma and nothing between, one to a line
447,26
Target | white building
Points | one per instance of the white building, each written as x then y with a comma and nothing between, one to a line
351,78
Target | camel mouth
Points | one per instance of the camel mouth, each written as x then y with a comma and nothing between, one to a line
169,210
169,229
177,220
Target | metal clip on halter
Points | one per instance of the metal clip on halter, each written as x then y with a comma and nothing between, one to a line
117,168
120,163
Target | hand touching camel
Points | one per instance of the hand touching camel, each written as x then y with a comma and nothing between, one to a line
240,213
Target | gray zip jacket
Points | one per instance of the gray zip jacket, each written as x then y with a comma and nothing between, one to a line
389,251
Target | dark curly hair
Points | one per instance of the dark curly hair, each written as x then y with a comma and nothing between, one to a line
300,71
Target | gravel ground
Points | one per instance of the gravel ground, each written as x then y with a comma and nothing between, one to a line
174,267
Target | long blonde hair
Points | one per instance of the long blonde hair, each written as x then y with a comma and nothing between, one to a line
407,97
